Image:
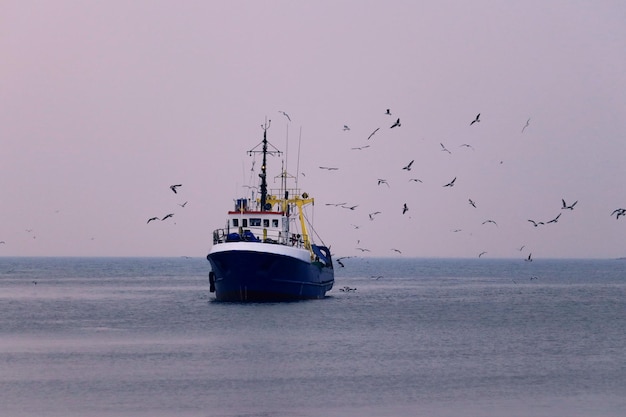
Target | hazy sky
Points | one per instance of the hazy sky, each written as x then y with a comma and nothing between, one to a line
104,105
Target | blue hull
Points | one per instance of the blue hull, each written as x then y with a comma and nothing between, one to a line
260,276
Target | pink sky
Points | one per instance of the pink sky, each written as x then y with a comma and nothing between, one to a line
106,104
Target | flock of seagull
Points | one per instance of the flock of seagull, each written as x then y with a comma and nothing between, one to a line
174,189
451,183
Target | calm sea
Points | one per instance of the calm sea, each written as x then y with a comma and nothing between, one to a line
418,337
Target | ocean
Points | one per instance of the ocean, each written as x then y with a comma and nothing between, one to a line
112,337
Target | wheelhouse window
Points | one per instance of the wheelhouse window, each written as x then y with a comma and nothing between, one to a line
266,222
255,222
235,222
244,222
274,222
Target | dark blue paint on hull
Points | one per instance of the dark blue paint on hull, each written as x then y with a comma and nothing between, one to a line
257,276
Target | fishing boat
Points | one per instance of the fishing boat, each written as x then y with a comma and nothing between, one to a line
266,251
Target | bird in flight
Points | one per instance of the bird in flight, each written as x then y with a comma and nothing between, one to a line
396,124
477,119
568,207
529,259
526,125
174,187
335,204
345,127
350,207
329,168
535,223
466,145
556,219
167,216
490,221
408,167
388,112
184,204
619,212
372,134
415,179
451,183
360,148
396,250
444,149
373,214
405,208
152,218
382,181
285,114
472,203
481,254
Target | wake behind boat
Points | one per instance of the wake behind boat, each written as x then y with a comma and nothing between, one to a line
265,252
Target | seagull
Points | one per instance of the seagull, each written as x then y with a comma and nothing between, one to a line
184,204
388,112
363,249
535,223
520,249
382,181
481,254
477,119
167,216
408,167
396,250
397,123
451,183
345,127
359,148
556,219
286,115
529,259
490,221
472,203
338,260
619,212
335,204
526,125
570,207
466,146
152,218
373,214
405,208
330,168
372,134
174,187
444,149
350,207
415,179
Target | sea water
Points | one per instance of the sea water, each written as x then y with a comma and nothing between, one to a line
412,337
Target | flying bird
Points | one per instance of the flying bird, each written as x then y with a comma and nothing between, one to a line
388,112
382,181
405,208
415,179
451,183
472,203
619,212
529,259
408,167
444,149
174,187
396,250
167,216
535,223
490,221
481,254
371,215
359,148
285,114
396,124
372,134
568,207
556,219
151,219
477,119
465,145
350,207
330,168
184,204
526,125
345,127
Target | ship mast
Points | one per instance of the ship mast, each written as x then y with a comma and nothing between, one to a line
264,150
